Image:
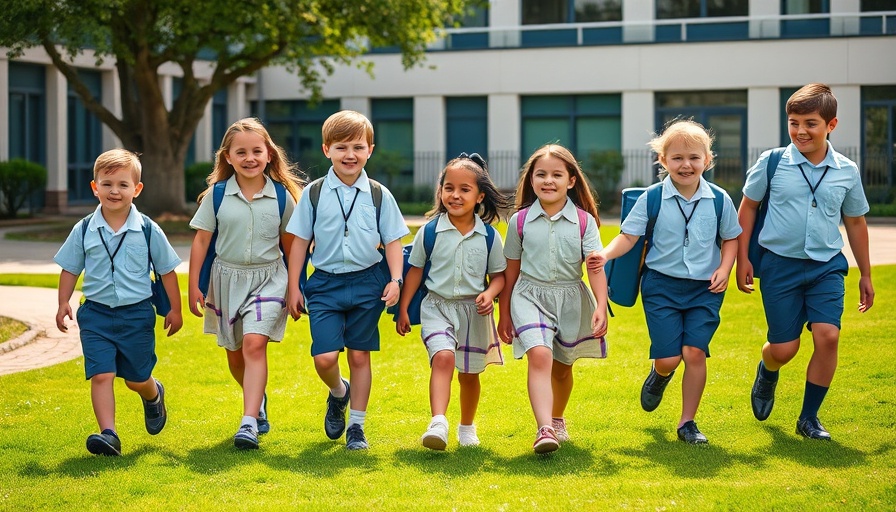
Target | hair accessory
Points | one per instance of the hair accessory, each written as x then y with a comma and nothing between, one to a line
478,160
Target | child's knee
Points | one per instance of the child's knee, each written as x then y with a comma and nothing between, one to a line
358,358
327,360
693,355
101,379
443,360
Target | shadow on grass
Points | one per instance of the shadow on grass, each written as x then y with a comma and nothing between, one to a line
811,452
689,461
90,465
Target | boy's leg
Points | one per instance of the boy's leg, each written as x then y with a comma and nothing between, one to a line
102,397
153,394
693,383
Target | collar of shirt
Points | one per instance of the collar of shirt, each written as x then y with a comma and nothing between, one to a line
134,222
568,212
797,158
362,183
704,190
444,224
232,188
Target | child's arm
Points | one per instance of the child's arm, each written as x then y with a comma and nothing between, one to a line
412,281
286,241
505,323
174,320
395,260
598,282
485,301
857,233
198,250
746,216
617,247
295,302
67,282
718,282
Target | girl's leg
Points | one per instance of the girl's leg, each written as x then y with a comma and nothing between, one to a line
470,390
561,386
440,382
693,382
236,364
540,361
102,396
255,376
361,378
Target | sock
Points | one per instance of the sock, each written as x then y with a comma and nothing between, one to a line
249,420
812,400
340,391
110,432
766,373
356,417
440,418
471,428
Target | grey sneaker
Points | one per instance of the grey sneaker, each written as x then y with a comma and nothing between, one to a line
355,439
264,426
154,414
334,421
106,443
246,438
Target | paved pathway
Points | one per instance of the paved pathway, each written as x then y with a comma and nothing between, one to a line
44,345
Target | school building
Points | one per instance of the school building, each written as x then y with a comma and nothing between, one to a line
598,76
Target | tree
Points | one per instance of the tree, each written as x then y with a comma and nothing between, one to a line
235,37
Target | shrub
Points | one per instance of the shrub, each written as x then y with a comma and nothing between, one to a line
19,180
604,170
194,179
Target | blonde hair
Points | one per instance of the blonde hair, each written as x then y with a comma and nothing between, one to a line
116,159
280,169
347,125
813,98
581,193
688,132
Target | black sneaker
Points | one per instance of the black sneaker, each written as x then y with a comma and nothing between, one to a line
355,439
690,434
334,421
154,414
762,398
246,438
812,428
264,426
653,388
106,443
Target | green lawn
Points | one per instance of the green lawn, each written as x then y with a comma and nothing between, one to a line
620,456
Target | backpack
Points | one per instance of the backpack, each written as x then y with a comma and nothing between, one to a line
429,242
624,272
583,223
217,197
159,297
754,250
313,190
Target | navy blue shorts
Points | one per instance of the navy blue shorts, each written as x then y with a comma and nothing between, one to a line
680,312
118,340
345,310
797,291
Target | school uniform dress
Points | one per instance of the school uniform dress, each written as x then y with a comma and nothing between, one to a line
449,320
247,285
803,267
678,305
343,295
117,320
550,305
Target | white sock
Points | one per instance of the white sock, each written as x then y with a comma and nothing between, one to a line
249,420
356,417
463,429
340,391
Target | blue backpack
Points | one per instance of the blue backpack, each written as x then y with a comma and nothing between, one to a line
624,272
429,242
217,197
755,251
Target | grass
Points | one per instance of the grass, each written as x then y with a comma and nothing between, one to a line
620,458
10,328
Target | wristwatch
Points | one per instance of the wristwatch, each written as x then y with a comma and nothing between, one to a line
400,281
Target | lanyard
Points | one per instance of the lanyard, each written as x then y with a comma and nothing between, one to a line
111,254
687,219
811,188
350,208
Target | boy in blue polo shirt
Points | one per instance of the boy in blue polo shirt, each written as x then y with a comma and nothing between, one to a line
346,293
117,320
802,267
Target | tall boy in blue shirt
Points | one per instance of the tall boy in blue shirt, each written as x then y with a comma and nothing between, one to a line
802,267
346,293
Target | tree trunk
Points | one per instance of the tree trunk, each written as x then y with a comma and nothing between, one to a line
163,178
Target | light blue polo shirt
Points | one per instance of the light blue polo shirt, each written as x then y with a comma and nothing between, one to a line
793,227
248,231
701,257
552,246
458,260
336,251
130,283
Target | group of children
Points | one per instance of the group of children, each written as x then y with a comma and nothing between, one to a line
353,227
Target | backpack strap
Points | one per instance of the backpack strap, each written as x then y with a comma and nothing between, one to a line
84,222
147,234
583,223
772,165
654,199
218,196
520,221
281,196
719,203
429,237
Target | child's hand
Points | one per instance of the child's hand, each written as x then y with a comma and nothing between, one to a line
65,310
718,283
505,329
485,303
403,324
174,320
390,294
197,302
866,293
599,323
744,274
595,261
295,303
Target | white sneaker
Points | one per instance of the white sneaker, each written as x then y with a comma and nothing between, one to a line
559,425
436,436
466,435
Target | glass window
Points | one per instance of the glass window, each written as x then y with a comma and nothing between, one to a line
597,10
540,12
673,9
295,126
84,139
27,112
877,5
393,124
581,123
878,159
466,126
219,120
806,6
